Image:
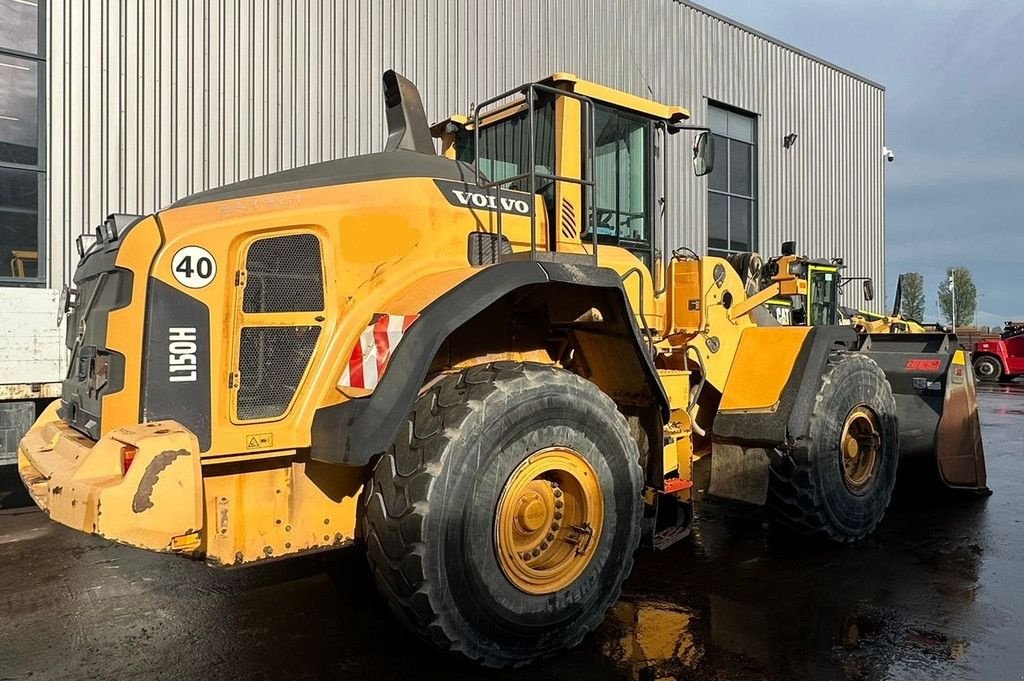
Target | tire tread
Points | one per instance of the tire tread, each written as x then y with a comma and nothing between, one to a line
794,498
396,506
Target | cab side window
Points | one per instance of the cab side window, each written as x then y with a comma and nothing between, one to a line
622,152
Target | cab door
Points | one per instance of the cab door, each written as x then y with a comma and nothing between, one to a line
822,295
1015,354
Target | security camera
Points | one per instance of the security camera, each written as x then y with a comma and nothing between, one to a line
888,154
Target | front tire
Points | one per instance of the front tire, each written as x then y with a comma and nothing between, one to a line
460,517
837,486
988,369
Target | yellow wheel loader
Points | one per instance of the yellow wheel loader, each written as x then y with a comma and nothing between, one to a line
819,303
478,364
873,322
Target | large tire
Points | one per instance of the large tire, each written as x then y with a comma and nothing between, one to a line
749,267
430,511
811,491
987,368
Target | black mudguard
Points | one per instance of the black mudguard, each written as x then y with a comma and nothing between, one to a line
353,432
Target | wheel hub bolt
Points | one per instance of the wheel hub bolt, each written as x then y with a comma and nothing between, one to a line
550,537
554,527
558,492
543,546
536,552
559,503
558,515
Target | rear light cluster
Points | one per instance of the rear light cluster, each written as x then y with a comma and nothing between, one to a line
128,453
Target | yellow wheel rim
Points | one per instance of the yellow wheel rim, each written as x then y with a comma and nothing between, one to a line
548,521
859,448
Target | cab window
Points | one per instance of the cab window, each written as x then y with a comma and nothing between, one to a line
505,147
823,299
622,151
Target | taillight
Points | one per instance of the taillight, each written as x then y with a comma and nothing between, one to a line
128,453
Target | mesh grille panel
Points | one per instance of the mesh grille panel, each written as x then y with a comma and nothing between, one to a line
272,360
283,274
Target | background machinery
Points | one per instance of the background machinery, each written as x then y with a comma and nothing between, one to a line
817,303
1002,358
480,364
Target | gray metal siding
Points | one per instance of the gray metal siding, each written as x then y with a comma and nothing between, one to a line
153,101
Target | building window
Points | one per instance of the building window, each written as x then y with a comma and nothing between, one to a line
22,156
732,186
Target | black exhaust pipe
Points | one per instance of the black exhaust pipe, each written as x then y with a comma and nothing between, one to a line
897,300
407,122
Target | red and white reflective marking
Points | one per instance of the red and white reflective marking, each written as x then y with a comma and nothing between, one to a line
372,353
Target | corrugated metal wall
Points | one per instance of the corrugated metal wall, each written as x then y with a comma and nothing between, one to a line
151,101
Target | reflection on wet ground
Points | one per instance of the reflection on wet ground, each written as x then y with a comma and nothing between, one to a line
937,593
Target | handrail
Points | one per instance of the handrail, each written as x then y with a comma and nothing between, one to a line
643,319
587,183
661,286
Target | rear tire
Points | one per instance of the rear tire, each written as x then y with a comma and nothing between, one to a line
837,484
748,266
988,369
431,515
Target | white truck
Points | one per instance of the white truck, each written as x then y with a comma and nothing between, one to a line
32,360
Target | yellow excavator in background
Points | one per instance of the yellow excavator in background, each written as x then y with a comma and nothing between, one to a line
874,322
479,365
819,305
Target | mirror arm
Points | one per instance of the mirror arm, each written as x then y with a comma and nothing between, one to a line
843,280
676,127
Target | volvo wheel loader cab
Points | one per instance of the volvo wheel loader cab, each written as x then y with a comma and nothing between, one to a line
483,365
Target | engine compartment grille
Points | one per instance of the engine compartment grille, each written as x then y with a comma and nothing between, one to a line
284,274
271,363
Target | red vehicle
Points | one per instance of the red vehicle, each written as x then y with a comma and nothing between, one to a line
1001,359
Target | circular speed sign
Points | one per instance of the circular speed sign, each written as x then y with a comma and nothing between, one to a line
193,266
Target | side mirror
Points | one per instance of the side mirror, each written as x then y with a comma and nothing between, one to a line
703,154
869,290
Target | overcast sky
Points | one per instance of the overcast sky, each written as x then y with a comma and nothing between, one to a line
954,77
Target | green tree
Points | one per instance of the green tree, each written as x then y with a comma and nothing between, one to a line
966,296
912,306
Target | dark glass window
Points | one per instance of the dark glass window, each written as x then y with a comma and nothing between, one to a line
19,223
824,287
505,150
732,186
20,26
19,110
22,161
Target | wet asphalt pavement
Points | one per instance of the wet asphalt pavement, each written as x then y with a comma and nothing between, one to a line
936,593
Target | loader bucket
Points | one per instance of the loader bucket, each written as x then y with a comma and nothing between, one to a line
936,404
959,449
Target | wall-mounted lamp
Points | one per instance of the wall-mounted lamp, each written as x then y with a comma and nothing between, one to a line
789,140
